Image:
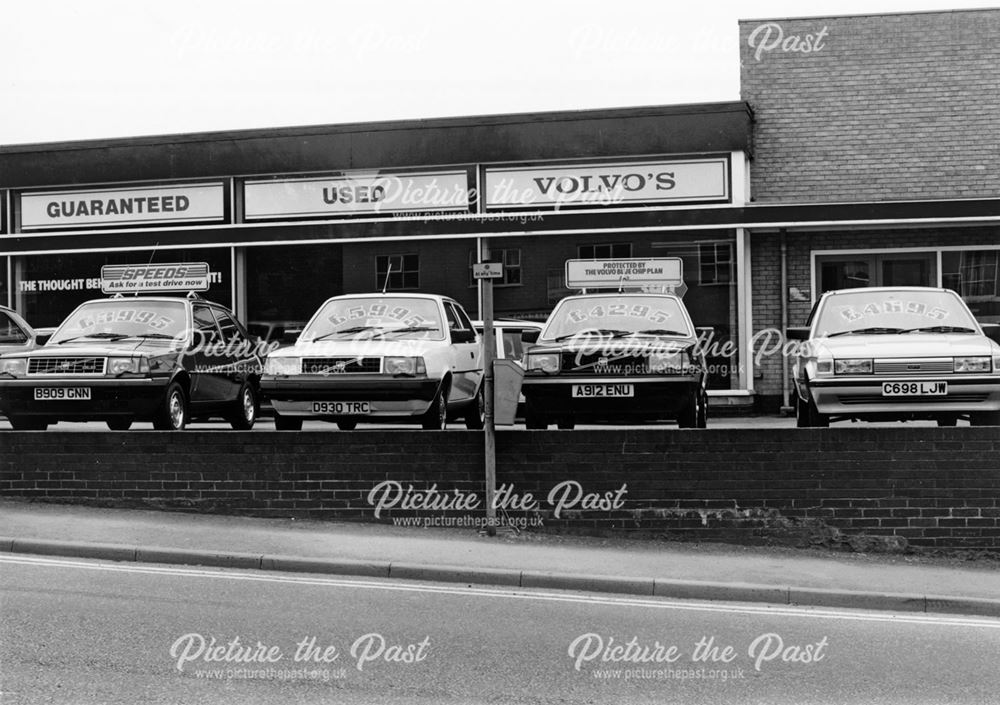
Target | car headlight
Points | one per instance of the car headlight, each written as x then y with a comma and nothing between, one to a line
127,365
861,366
545,362
409,366
14,366
666,363
824,367
283,365
973,364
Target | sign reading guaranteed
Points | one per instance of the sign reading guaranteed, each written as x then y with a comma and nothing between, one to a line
608,185
152,205
357,194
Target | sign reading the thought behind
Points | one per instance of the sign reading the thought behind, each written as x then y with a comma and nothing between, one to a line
620,184
152,205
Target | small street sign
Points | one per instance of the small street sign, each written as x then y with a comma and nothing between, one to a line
487,270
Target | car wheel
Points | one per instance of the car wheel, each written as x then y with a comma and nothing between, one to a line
566,423
693,414
244,413
287,423
21,423
808,416
801,413
120,424
986,418
947,420
347,425
173,412
475,413
534,420
436,417
702,419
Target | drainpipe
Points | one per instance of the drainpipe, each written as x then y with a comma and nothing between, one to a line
786,409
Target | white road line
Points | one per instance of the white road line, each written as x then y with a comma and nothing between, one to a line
516,593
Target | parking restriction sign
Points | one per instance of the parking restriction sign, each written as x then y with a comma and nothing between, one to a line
487,270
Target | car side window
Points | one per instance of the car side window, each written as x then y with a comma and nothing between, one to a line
205,324
454,321
463,317
229,327
10,332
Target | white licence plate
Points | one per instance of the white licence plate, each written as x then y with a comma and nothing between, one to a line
914,389
61,393
603,390
342,408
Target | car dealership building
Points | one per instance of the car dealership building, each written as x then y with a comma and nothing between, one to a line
864,151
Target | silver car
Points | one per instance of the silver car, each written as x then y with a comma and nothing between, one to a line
896,353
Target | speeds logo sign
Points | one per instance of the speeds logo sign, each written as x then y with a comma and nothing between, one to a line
132,278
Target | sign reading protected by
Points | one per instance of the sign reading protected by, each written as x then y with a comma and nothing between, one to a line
135,278
596,274
125,206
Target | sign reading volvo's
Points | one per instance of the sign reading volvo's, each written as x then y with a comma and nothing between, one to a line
133,278
125,206
614,184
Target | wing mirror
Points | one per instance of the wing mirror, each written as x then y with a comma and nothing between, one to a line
797,333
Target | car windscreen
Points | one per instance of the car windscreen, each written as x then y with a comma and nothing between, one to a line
123,318
390,318
627,315
896,311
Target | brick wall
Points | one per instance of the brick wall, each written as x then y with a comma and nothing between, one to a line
934,487
881,107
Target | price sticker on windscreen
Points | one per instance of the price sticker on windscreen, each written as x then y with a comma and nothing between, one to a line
135,278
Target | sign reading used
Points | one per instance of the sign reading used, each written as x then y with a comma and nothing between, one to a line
596,274
134,278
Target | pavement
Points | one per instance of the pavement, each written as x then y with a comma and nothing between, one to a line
680,570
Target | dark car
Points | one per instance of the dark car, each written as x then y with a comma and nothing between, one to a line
162,359
619,358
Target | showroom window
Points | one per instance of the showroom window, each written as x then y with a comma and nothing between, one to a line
715,262
614,250
403,272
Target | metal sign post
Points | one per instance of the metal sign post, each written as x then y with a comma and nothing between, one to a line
487,272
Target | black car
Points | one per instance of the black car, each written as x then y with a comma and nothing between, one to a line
168,360
617,358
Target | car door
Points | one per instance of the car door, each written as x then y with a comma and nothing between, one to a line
467,353
238,350
210,378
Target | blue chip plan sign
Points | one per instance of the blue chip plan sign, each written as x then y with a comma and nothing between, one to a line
603,274
133,278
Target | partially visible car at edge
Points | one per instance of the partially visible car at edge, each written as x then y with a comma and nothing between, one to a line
895,354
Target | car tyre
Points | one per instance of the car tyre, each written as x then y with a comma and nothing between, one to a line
986,418
173,412
534,420
808,416
695,413
475,413
436,417
120,424
566,423
347,425
287,423
245,408
21,423
947,420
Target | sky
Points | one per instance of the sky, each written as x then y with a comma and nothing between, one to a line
93,69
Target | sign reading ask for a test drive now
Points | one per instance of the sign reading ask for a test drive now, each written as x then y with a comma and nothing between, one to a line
122,278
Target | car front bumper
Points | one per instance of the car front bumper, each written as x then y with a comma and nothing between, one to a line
653,398
863,395
386,396
109,398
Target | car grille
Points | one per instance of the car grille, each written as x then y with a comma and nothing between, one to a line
66,365
340,365
598,364
968,397
920,366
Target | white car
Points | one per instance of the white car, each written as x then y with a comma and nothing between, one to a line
379,357
895,353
